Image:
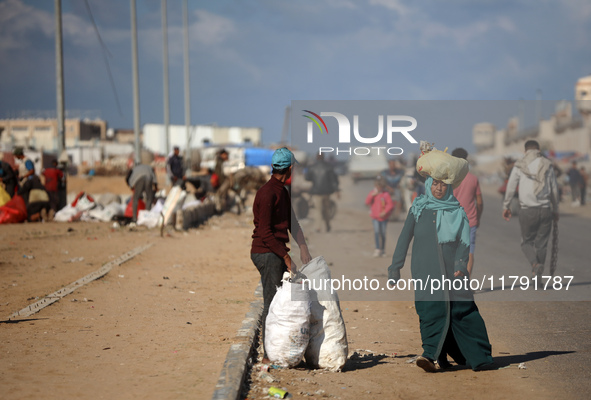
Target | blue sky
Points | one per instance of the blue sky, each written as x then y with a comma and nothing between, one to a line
250,59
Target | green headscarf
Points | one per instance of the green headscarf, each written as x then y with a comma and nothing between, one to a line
452,222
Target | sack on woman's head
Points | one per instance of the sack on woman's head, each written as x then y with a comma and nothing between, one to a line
441,166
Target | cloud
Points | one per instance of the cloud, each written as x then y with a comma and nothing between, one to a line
394,5
579,10
462,35
211,29
19,23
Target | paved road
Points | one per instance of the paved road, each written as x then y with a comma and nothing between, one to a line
553,338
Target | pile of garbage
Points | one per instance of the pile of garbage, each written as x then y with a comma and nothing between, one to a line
110,207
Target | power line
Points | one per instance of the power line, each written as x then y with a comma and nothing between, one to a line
105,53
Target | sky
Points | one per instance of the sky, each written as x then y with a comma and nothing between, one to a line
249,59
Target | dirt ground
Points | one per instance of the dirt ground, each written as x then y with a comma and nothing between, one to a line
160,325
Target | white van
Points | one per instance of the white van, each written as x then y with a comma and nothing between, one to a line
367,167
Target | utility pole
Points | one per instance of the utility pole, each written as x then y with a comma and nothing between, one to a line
285,131
59,68
136,84
61,135
165,77
187,84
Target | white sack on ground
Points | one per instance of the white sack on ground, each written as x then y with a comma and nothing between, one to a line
288,325
150,218
108,212
328,347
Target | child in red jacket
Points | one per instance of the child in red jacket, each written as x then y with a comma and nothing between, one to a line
381,205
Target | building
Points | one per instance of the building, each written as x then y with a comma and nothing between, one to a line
154,136
39,133
565,136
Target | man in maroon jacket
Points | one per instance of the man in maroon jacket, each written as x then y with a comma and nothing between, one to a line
273,218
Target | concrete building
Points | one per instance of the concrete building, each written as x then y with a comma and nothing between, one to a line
42,134
154,136
563,133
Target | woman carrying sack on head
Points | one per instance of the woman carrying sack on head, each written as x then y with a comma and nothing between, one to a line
449,319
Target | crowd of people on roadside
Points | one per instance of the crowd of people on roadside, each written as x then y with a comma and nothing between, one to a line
41,198
40,190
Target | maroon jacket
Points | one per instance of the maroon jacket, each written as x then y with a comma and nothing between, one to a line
273,217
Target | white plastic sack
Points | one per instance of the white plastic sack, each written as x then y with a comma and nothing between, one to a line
441,166
150,218
107,213
287,328
66,214
328,347
84,202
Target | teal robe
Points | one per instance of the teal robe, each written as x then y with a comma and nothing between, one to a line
449,319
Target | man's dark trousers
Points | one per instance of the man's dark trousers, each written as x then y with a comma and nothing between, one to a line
271,267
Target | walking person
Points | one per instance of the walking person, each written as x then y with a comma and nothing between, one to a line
381,206
393,176
584,180
538,198
575,180
224,182
324,183
273,219
470,197
450,322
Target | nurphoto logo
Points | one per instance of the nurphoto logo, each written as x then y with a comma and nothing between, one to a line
391,127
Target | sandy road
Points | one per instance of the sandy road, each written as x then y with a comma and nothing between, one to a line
383,329
159,326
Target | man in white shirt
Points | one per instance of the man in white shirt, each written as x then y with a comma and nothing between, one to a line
538,198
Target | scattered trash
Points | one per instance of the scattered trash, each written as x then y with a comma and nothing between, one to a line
522,366
267,377
192,292
165,277
264,368
121,276
277,393
75,259
28,257
188,323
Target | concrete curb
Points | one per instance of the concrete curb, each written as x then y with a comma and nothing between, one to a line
235,369
192,217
